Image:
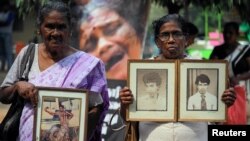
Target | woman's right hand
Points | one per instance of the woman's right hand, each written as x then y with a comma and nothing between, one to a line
28,91
126,96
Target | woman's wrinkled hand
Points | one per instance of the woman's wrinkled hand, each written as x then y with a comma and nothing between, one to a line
27,91
229,97
126,96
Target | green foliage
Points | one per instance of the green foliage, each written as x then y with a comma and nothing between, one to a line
26,7
242,6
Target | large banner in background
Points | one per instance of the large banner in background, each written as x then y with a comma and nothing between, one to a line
114,31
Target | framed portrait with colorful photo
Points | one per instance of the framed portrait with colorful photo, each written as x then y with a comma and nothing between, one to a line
61,114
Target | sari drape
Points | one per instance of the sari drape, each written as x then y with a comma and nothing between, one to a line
79,70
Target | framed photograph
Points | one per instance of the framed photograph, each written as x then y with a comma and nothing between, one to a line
153,84
61,114
201,85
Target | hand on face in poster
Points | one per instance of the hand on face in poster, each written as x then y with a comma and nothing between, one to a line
108,36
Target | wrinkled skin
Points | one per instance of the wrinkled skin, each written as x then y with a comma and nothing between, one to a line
171,49
111,38
55,33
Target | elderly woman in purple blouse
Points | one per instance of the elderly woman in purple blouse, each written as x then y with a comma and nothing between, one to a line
57,64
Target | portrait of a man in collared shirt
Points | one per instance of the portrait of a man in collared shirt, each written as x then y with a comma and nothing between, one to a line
202,100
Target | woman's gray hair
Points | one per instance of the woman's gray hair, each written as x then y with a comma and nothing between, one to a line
56,5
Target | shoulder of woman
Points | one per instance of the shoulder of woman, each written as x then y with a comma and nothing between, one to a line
89,60
24,50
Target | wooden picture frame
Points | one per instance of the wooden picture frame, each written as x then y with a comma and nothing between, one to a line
191,73
152,107
61,113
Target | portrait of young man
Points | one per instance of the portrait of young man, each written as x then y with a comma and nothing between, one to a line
152,93
203,97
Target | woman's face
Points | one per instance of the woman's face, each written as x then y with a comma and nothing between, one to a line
171,41
230,35
109,37
55,31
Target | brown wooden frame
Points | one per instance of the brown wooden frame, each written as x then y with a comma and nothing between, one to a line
180,77
167,70
217,71
76,98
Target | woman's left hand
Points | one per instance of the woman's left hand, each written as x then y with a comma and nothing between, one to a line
229,96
